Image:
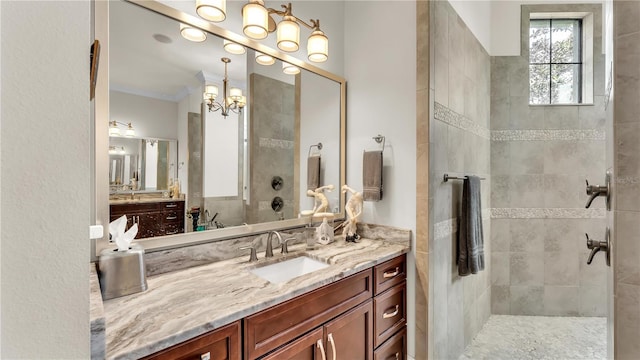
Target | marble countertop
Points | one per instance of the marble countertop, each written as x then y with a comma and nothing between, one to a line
183,304
142,200
96,315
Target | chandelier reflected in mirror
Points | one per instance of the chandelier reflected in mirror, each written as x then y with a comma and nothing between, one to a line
232,98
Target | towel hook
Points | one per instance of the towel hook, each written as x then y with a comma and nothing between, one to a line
318,145
380,139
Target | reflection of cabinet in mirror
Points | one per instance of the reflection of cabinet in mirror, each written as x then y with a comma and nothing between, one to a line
157,218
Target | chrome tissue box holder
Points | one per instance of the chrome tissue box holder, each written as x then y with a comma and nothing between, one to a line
122,272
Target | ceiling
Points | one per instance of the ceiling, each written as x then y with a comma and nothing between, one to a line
142,65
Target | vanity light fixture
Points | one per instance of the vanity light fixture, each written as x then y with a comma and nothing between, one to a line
192,34
290,69
212,10
233,48
114,130
264,59
257,22
232,100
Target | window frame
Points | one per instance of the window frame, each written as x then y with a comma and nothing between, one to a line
580,51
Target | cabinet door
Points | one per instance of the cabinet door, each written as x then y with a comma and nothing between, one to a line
350,336
220,344
308,347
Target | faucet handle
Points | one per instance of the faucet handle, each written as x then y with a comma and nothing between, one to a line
253,256
285,245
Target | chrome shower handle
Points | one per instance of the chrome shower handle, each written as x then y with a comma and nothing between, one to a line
595,246
600,190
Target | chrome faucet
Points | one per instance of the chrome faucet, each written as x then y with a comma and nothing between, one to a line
269,251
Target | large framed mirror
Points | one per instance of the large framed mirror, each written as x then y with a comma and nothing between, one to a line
228,172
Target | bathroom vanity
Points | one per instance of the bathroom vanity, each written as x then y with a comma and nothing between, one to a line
355,307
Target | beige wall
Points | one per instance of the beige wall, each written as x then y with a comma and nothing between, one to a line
46,169
626,166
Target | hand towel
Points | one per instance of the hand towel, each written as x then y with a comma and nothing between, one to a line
372,176
470,242
313,172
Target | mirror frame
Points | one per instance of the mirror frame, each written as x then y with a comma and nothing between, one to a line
101,136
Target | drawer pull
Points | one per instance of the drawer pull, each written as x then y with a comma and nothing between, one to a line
171,205
171,217
333,346
172,232
321,347
205,356
390,274
387,315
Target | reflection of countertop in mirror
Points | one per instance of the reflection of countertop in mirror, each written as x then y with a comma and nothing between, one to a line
183,304
96,316
142,200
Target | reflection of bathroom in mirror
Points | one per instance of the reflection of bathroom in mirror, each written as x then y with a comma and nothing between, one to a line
227,159
141,165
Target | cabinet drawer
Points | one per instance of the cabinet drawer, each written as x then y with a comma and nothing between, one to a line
306,347
173,205
389,274
393,349
390,313
220,344
134,208
282,323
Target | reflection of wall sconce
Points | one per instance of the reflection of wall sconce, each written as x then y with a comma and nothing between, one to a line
290,69
192,34
232,100
212,10
114,130
151,142
113,150
264,59
233,48
257,23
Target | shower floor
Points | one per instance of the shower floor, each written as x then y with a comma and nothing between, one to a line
539,337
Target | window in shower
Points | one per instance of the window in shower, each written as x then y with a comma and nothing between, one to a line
556,64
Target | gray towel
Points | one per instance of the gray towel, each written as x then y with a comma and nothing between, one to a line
372,176
470,242
313,172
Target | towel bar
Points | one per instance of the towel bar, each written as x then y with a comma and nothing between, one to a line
318,145
448,177
380,140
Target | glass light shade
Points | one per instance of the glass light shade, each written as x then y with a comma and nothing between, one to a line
242,102
121,151
290,69
233,48
264,59
113,129
129,132
288,35
210,91
112,150
192,34
318,47
255,20
235,93
212,10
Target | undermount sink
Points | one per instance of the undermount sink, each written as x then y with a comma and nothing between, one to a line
284,271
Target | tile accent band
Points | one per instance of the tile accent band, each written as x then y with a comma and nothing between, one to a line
452,118
547,135
547,213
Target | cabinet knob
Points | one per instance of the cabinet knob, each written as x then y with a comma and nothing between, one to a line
205,356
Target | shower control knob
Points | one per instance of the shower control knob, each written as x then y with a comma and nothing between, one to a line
600,190
595,246
276,183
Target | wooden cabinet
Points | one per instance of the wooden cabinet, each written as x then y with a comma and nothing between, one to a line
394,349
153,218
280,324
221,344
390,309
349,336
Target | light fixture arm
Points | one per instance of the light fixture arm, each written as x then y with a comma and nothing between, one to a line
315,24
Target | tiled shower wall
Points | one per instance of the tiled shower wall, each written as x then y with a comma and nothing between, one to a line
459,145
626,191
540,158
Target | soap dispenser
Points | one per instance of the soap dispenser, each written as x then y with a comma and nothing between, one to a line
324,233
